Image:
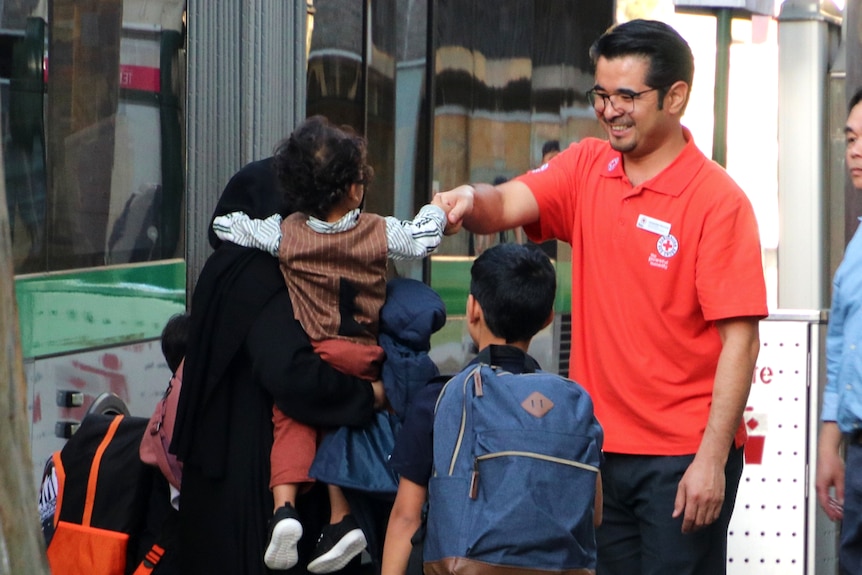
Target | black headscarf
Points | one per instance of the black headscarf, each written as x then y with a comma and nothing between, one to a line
253,190
233,287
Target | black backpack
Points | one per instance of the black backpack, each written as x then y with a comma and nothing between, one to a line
111,512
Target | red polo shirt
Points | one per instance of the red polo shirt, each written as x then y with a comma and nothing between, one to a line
653,266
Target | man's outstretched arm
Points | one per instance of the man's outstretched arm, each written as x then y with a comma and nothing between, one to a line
486,209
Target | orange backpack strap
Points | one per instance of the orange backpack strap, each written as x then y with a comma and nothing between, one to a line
151,559
61,480
94,470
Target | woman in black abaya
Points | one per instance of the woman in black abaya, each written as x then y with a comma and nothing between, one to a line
246,351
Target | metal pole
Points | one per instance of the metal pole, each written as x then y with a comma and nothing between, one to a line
722,73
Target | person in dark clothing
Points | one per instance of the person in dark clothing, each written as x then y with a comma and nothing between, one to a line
334,258
246,352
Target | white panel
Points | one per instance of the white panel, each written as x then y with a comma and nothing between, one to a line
767,532
777,527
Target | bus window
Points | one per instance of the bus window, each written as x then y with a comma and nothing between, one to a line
136,198
92,135
24,146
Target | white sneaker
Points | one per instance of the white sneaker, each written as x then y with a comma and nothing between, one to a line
284,533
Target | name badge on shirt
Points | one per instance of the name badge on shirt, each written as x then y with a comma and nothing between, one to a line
653,225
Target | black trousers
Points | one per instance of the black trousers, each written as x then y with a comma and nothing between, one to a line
638,536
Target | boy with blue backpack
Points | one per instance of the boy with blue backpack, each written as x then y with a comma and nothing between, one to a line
506,455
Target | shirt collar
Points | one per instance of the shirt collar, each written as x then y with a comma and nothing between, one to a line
347,222
507,357
671,181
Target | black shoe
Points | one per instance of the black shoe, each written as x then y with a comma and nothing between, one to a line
284,533
338,544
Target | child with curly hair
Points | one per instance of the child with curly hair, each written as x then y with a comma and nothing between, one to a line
334,259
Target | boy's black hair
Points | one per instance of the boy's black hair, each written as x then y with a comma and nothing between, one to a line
175,337
317,165
854,99
670,57
515,285
550,146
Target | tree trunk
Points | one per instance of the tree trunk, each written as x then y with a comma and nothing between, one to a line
22,548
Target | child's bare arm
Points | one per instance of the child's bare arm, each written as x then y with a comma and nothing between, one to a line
404,520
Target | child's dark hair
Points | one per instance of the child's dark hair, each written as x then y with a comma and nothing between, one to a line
317,165
550,146
515,285
175,336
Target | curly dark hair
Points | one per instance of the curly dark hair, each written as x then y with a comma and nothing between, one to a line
318,163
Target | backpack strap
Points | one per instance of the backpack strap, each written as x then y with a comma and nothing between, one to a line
93,480
151,559
61,481
166,540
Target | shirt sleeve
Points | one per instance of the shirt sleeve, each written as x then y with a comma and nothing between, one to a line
729,255
417,238
834,347
303,386
556,188
238,228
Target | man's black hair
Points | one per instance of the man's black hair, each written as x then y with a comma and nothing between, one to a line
854,99
670,57
550,146
175,337
515,285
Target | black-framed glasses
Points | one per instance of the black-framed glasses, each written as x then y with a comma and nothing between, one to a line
623,102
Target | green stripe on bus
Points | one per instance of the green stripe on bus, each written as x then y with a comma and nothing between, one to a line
62,312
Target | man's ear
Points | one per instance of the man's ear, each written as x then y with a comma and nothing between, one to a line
676,97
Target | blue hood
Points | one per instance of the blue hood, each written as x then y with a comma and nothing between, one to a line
412,313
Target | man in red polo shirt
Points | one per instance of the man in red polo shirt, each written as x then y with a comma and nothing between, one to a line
667,292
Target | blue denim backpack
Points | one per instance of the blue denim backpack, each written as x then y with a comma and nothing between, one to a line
516,459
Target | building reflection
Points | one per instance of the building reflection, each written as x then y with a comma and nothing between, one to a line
453,91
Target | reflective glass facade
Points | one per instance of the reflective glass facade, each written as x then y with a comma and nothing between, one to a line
453,91
92,133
